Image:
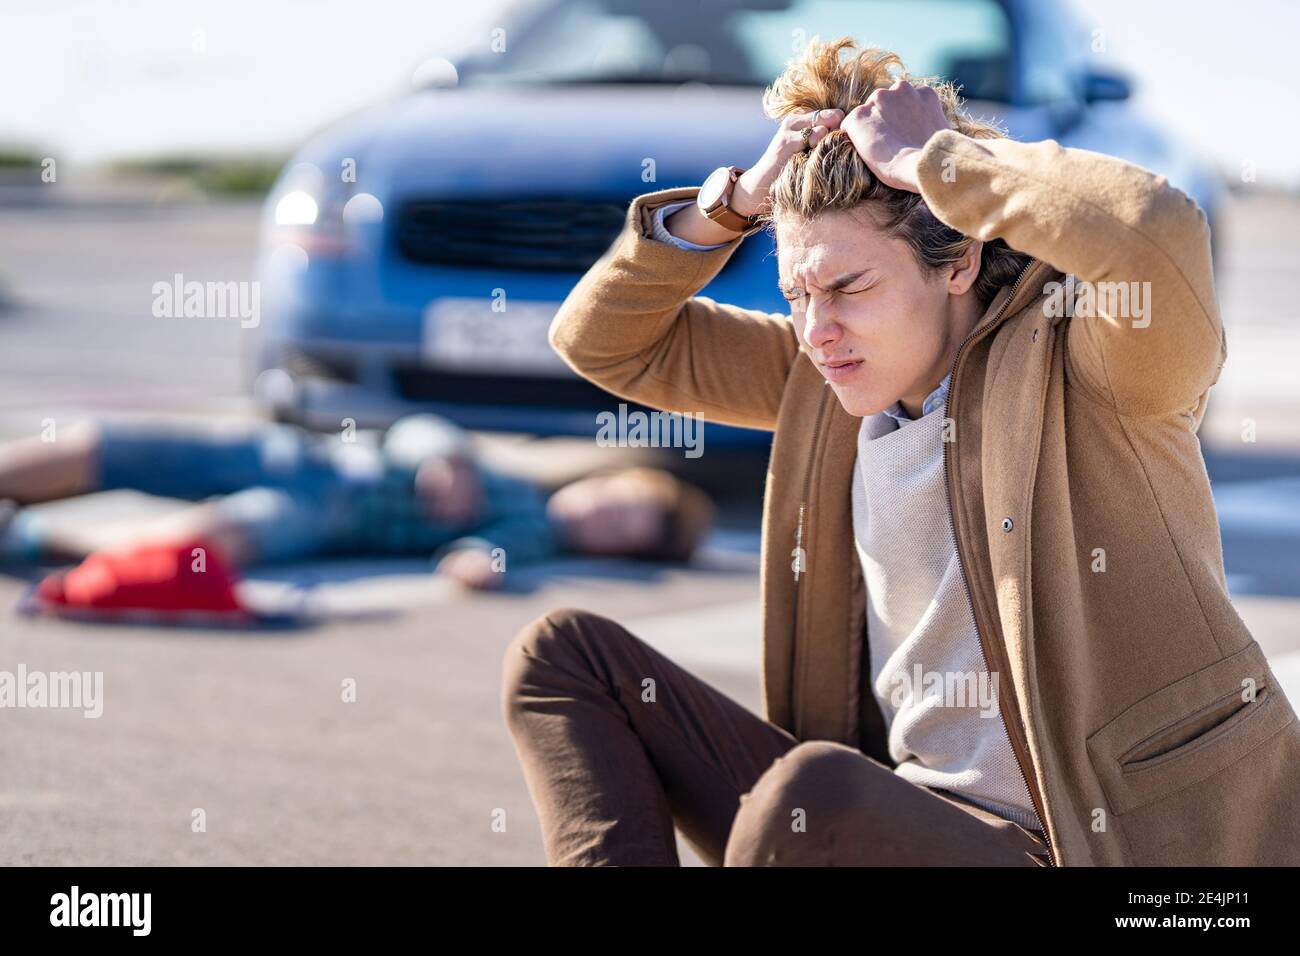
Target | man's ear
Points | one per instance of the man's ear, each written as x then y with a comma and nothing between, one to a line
966,269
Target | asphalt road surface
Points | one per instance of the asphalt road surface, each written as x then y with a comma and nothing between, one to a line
253,730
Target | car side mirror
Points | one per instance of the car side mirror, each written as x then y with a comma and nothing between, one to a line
1100,86
982,77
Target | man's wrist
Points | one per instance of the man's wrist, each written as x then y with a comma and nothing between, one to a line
907,167
660,231
745,197
722,201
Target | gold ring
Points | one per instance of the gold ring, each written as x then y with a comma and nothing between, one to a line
806,133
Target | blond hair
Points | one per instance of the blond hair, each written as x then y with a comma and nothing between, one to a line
832,176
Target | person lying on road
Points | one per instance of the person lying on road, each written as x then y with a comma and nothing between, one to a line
275,493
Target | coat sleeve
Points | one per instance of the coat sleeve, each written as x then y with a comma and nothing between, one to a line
1151,342
634,326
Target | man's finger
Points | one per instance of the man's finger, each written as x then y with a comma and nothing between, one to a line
822,117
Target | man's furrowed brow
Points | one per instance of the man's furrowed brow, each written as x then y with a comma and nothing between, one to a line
845,279
835,285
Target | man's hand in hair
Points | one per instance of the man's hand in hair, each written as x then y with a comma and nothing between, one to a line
891,127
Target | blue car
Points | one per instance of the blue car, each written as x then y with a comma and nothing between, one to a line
413,255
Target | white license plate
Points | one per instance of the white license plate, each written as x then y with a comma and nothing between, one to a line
465,333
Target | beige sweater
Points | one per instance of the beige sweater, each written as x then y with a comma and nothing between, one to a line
927,670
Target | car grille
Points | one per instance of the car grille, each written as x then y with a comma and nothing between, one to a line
545,235
302,363
417,383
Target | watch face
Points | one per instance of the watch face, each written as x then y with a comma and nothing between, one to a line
714,187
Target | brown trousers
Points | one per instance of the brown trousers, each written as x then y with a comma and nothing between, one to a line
618,744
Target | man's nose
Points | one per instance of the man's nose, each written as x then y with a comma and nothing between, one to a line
820,327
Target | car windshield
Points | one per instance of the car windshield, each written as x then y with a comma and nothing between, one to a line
670,41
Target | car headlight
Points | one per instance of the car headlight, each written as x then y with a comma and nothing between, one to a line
296,208
312,214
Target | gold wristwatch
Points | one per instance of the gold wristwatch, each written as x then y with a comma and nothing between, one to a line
714,200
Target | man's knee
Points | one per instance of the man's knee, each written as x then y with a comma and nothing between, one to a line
540,642
790,814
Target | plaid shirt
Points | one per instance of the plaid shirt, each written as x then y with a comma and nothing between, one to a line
387,516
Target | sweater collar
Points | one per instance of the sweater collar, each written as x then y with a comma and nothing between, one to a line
932,401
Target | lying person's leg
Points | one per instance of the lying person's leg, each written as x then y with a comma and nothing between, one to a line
34,470
208,520
197,460
617,742
253,526
177,460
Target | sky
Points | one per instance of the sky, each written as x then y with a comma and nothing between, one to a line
92,80
1220,75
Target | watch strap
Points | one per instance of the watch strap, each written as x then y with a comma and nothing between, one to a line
729,219
724,215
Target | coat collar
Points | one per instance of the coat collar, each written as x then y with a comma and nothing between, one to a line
1032,286
837,451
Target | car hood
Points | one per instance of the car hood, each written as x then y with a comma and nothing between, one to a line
616,139
620,140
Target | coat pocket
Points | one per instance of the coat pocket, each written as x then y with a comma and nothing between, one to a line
1189,730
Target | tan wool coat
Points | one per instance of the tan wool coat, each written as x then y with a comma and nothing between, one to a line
1146,720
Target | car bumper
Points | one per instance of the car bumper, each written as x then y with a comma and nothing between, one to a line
374,385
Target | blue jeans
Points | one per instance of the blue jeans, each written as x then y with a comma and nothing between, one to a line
277,486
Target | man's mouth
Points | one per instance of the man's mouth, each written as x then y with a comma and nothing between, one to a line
840,369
